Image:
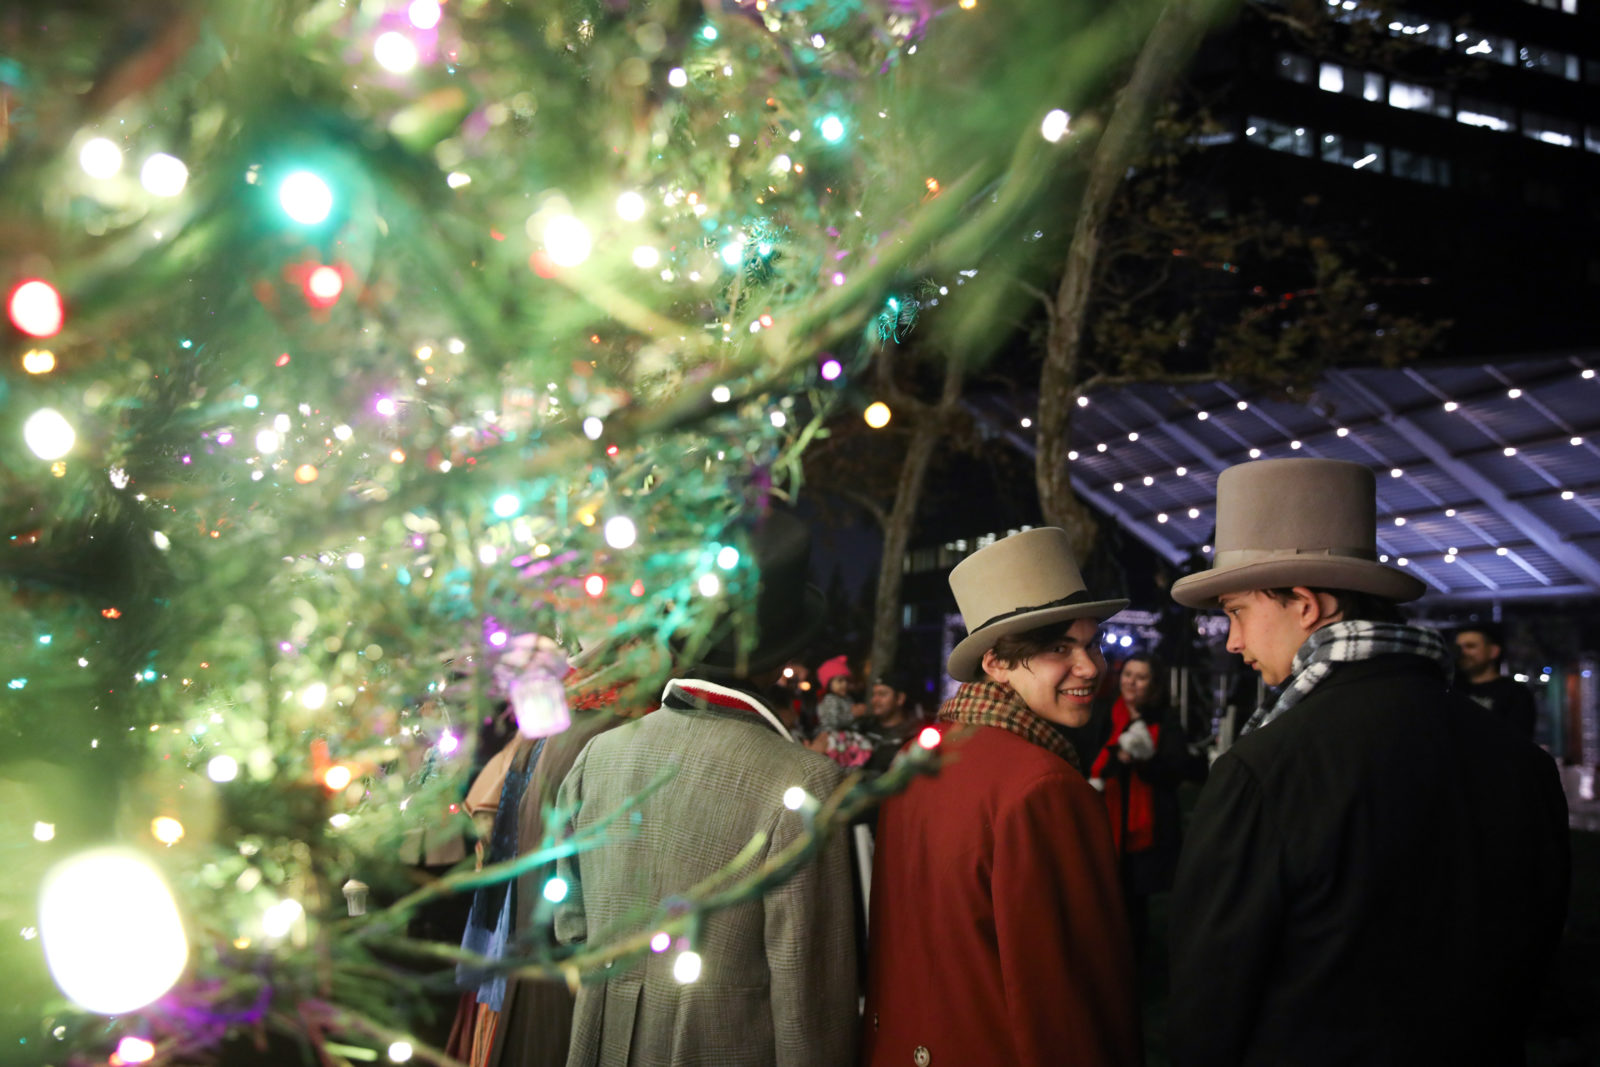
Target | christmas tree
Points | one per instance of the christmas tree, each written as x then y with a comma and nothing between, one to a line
346,342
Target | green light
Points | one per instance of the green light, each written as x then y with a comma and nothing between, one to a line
709,33
305,198
507,505
555,890
832,129
44,639
728,558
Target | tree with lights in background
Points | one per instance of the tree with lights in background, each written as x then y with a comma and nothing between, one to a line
346,341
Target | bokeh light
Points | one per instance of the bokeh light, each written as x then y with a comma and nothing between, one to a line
877,414
424,14
305,198
620,531
630,206
567,241
48,434
831,369
35,308
163,175
395,52
39,361
1054,126
100,158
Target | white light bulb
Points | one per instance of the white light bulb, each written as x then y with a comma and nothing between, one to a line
163,175
1054,126
424,14
646,257
630,206
400,1051
686,968
721,394
394,52
620,531
222,769
710,585
567,241
267,442
100,158
355,561
48,434
305,198
794,797
111,931
314,695
677,77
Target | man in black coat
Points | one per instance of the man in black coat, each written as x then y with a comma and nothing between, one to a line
1479,651
1377,871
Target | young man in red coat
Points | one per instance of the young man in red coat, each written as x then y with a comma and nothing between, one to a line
997,931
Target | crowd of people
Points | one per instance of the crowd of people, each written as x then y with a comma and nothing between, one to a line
1375,871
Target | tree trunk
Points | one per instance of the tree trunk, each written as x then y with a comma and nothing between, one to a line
933,420
1166,51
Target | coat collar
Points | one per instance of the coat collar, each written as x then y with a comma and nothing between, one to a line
699,693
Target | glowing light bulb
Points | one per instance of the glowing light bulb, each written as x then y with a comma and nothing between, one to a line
686,968
222,769
507,504
929,737
709,585
395,52
620,531
110,930
400,1051
48,434
134,1050
305,198
877,414
727,557
267,442
35,308
336,777
314,695
594,585
660,941
567,241
831,369
323,286
100,158
555,890
163,175
645,257
355,561
677,77
1054,126
44,831
630,206
721,394
593,427
794,798
831,128
167,830
424,14
39,361
448,743
732,253
280,918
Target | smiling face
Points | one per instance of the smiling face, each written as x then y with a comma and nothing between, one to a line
1057,683
1268,632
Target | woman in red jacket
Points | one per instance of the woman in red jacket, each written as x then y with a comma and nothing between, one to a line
997,932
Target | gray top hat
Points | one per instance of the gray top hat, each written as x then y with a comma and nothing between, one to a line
1019,583
1289,522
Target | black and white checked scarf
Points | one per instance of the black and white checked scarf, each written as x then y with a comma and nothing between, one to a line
1349,642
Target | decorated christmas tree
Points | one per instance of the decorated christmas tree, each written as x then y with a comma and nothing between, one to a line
349,340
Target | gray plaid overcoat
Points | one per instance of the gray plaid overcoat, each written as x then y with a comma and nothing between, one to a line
778,984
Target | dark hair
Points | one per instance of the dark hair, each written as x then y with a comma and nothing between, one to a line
1492,634
1014,650
1159,696
1352,606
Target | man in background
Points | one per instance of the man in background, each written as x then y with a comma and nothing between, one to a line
1480,650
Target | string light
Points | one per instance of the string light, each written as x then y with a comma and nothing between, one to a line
1450,405
727,557
222,769
877,415
930,737
48,434
594,585
336,777
395,52
163,175
424,14
660,941
555,890
620,532
133,1050
630,206
100,158
686,968
1054,126
709,585
646,257
567,241
400,1051
831,369
35,308
39,361
794,798
167,830
831,128
506,505
677,77
305,198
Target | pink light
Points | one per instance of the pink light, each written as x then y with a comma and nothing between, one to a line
323,287
594,585
424,14
448,743
831,369
385,406
838,277
133,1050
35,308
498,639
224,438
660,942
929,737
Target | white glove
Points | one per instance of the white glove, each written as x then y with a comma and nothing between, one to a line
1137,743
1099,784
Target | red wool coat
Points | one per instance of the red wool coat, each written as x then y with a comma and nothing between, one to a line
997,931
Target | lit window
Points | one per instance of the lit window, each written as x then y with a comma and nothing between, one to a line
1278,137
1488,46
1352,152
1549,129
1591,138
1423,98
1485,113
1570,7
1549,61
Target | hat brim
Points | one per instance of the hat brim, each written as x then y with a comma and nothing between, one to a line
966,661
1325,572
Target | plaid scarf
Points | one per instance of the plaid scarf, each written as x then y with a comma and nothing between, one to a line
993,704
1349,642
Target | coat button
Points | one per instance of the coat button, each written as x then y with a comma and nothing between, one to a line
921,1057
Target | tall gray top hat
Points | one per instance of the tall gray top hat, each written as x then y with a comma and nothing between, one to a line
1019,583
1289,522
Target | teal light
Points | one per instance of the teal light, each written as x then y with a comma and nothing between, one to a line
832,128
305,198
555,890
402,576
44,639
733,253
17,683
728,557
251,400
709,33
507,505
